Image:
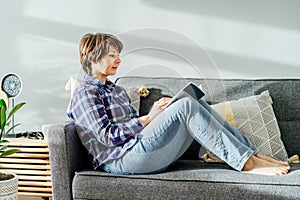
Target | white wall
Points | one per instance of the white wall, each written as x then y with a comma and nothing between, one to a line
245,39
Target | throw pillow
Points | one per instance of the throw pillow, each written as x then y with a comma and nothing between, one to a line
254,116
72,84
134,96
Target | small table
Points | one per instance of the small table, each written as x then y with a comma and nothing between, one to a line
32,166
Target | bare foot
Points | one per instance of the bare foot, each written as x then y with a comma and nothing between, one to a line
271,159
256,165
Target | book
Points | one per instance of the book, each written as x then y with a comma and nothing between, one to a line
191,90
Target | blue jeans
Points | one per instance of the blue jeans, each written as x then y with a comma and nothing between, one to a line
170,134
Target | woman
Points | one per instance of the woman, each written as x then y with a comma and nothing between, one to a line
122,142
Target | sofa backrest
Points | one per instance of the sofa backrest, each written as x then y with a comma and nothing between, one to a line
285,94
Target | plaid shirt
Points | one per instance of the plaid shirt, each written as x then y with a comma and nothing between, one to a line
105,120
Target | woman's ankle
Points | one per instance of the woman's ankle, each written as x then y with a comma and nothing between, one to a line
249,164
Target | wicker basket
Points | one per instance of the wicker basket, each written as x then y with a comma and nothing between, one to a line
9,188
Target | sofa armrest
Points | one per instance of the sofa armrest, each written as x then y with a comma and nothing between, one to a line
67,155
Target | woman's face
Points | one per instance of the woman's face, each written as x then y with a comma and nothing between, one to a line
108,64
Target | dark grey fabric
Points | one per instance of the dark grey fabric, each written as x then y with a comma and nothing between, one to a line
67,155
59,162
187,179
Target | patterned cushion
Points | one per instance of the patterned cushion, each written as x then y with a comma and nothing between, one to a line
134,97
254,116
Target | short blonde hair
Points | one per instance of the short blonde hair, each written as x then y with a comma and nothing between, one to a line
93,47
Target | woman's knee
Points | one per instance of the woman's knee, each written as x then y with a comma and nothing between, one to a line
188,101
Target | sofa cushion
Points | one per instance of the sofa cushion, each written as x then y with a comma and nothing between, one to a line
254,116
285,95
187,178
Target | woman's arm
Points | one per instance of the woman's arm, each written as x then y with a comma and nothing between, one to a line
144,120
89,113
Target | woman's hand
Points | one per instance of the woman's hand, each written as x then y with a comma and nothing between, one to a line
156,109
163,102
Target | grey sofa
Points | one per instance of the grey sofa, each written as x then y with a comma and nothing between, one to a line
188,178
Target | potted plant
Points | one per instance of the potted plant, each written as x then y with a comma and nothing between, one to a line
8,181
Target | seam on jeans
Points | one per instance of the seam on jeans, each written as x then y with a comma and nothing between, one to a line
244,160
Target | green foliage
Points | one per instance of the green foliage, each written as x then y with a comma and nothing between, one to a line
5,121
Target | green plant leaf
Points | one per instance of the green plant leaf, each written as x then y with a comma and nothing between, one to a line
9,152
2,117
15,109
3,120
11,128
4,141
2,103
2,148
8,123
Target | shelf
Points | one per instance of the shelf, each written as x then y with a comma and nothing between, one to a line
32,166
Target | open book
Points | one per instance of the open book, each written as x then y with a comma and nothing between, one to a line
191,90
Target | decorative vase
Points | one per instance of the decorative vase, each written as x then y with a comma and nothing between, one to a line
8,186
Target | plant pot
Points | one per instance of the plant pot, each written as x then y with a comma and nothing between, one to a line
8,186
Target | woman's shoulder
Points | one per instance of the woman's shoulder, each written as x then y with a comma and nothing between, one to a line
119,88
86,88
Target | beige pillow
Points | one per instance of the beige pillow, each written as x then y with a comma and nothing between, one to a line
254,116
